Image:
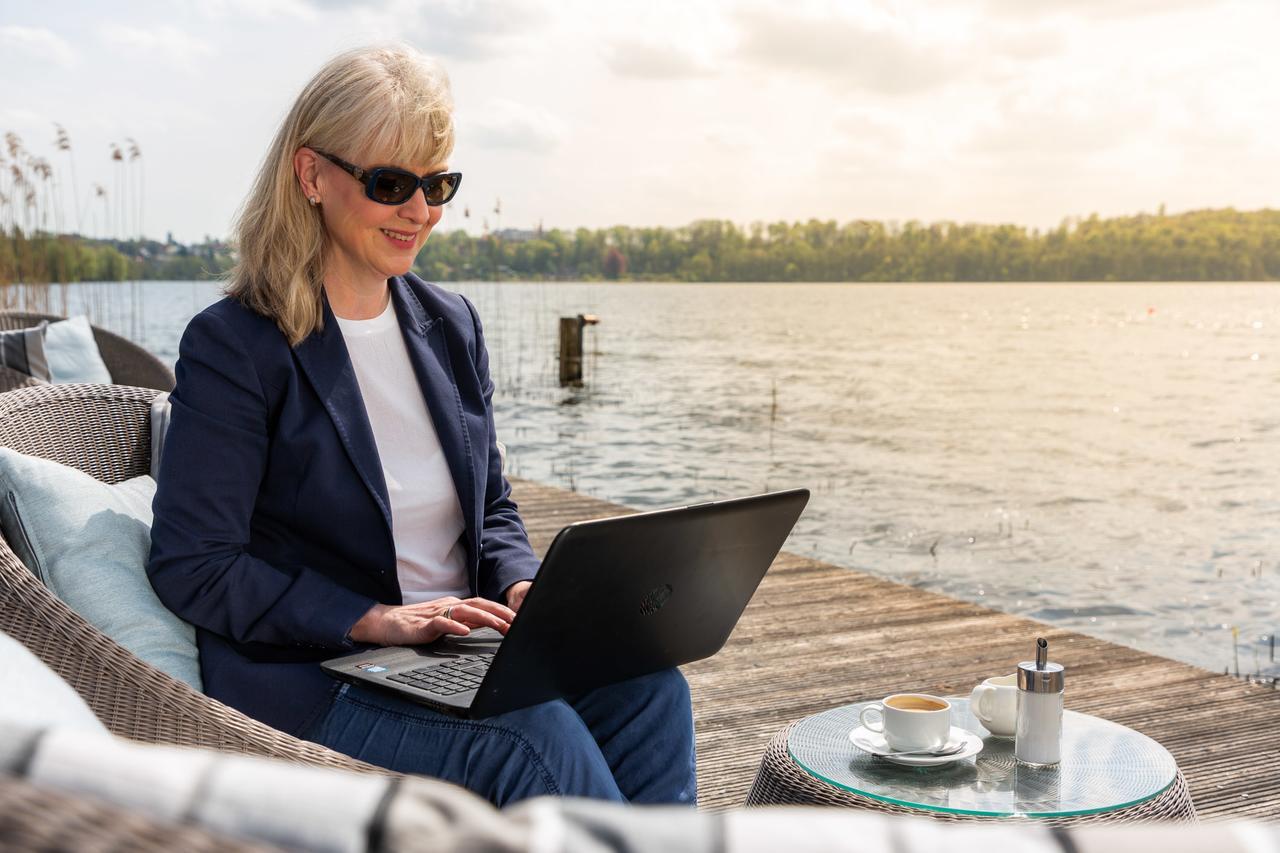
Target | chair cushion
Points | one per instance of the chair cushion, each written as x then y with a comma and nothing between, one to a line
72,352
88,541
60,352
23,350
33,694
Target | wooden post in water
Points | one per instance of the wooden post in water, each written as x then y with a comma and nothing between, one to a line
571,347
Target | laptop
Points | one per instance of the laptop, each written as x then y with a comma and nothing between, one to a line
614,599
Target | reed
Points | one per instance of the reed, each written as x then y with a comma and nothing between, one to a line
1235,648
62,141
40,254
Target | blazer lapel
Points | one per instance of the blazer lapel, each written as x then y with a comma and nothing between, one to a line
429,353
324,359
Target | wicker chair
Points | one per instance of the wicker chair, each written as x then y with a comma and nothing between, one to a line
128,363
38,819
104,430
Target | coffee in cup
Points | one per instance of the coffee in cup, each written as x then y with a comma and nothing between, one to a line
910,721
995,703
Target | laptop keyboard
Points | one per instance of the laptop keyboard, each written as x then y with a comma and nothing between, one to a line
446,679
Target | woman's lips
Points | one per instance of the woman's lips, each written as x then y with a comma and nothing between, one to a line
400,239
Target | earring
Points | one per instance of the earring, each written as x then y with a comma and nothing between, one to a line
314,201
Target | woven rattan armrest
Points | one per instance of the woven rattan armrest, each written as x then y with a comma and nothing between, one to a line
11,379
38,819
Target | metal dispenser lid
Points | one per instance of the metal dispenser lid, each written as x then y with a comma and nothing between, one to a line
1041,675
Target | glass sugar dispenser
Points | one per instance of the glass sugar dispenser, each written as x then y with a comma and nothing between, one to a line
1038,739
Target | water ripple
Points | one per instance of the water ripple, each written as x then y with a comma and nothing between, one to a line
1052,451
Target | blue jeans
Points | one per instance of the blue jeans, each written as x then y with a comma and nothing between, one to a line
628,742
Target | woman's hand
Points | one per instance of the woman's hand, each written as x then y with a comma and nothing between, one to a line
415,624
516,593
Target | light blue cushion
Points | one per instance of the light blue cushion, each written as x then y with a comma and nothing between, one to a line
72,352
88,542
33,694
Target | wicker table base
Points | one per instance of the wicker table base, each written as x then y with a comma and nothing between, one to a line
780,781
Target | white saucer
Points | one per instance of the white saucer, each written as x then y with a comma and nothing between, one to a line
873,742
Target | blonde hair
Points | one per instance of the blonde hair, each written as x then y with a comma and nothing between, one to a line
387,102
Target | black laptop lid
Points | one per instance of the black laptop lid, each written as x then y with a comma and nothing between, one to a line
622,597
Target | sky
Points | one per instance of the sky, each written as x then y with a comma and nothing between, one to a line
600,112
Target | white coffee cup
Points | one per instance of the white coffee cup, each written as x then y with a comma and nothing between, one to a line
911,721
995,703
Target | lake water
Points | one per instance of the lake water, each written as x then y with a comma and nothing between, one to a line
1101,457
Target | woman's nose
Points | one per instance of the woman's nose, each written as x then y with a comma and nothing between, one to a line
416,209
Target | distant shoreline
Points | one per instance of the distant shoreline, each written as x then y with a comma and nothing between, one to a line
1195,247
669,283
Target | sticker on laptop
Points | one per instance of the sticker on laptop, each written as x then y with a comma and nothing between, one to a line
371,667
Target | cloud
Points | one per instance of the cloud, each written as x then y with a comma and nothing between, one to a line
179,48
729,141
512,126
860,128
1049,135
23,119
38,43
467,29
1094,8
337,5
848,54
654,61
858,144
260,10
1025,45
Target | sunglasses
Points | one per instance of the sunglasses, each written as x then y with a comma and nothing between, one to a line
388,185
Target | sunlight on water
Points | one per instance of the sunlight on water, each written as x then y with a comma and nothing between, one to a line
1102,457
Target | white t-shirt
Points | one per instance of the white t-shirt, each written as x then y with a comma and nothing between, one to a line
426,515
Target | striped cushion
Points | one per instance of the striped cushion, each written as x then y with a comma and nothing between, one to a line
23,350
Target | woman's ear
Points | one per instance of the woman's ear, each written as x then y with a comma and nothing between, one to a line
306,165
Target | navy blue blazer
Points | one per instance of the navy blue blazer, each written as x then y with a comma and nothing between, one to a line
272,531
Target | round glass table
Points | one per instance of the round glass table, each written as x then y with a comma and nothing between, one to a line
1108,772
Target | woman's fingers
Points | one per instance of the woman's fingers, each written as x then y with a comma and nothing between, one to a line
500,610
477,617
428,621
440,626
440,606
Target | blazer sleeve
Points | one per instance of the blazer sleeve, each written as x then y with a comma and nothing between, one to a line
506,557
214,460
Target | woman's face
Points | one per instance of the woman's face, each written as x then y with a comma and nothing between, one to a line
370,242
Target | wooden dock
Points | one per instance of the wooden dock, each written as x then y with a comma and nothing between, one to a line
816,636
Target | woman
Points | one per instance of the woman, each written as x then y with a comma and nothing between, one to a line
331,475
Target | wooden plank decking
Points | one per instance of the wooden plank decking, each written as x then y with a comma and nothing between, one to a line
817,635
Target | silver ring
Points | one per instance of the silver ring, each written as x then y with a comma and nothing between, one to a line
448,612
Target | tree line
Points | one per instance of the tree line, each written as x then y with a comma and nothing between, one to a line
1207,245
60,258
44,258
